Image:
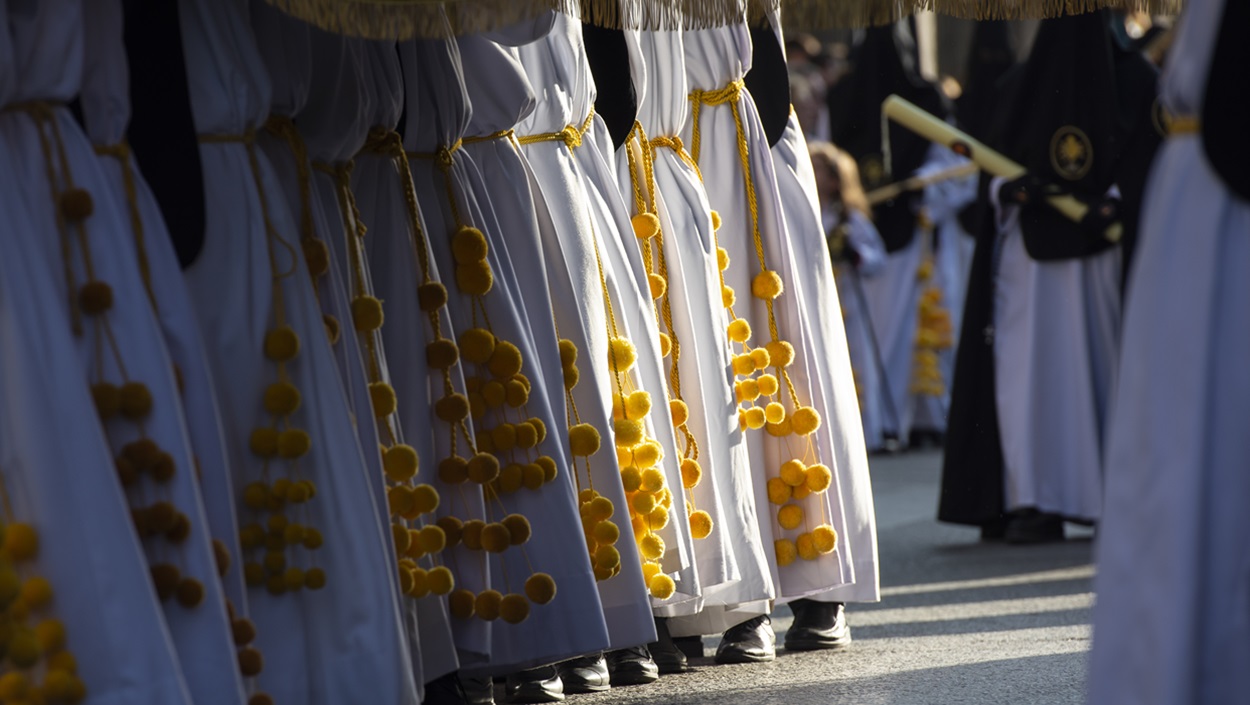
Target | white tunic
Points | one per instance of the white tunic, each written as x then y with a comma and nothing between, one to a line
125,344
834,395
1171,624
714,59
1056,327
342,642
57,467
438,114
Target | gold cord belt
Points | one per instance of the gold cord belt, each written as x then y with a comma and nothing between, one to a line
571,135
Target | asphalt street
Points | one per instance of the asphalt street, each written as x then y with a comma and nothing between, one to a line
959,621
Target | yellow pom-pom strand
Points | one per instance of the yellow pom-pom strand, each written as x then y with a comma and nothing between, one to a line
461,604
540,588
628,433
583,440
475,278
805,420
769,386
780,353
700,524
666,345
442,354
646,225
282,344
661,587
468,245
658,285
755,418
819,478
691,473
505,362
727,296
431,296
282,399
824,539
514,608
767,285
382,398
793,473
790,516
367,314
452,408
786,552
806,544
774,412
740,332
716,221
761,358
488,605
778,491
477,345
621,354
637,405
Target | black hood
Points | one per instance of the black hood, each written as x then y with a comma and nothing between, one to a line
1226,105
616,101
992,55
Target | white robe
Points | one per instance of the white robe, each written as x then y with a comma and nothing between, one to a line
714,58
125,344
56,464
834,396
1056,332
342,642
1171,623
438,114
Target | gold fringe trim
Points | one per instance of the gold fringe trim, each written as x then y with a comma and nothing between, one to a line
808,15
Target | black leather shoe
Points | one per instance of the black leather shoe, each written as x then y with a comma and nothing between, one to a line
586,674
444,690
994,530
1031,526
632,667
753,641
667,657
691,646
817,625
536,685
478,690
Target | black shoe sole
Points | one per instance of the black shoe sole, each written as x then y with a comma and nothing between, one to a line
736,658
635,678
576,689
670,669
818,644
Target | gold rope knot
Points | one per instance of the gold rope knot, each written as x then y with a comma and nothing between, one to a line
729,94
572,138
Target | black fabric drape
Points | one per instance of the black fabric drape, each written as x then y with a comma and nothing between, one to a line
616,100
1226,105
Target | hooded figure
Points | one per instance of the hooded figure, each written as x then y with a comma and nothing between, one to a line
1043,307
1172,535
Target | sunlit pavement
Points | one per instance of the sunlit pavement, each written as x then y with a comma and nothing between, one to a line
959,622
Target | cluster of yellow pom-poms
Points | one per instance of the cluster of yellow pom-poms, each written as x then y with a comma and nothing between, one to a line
513,608
277,534
809,545
251,662
601,533
473,272
32,642
796,482
934,334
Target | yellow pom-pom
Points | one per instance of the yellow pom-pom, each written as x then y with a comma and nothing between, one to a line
727,296
333,329
819,477
21,542
532,476
282,399
431,296
414,582
648,454
679,411
494,394
540,588
779,430
722,258
780,353
452,528
700,524
628,433
666,498
453,470
643,503
631,478
36,592
504,437
601,508
793,472
399,500
550,469
755,418
23,649
382,396
607,557
95,298
786,552
13,686
657,284
460,604
452,408
691,473
571,377
568,353
514,609
424,499
666,345
661,587
805,420
317,256
761,358
652,480
468,245
401,537
314,578
367,313
518,527
621,354
775,412
778,491
281,344
743,365
583,440
496,538
768,387
637,405
716,221
442,354
483,468
658,518
50,633
790,516
475,278
515,394
646,225
294,443
471,534
748,390
505,362
477,345
767,285
433,539
107,398
740,332
650,569
488,604
539,427
526,436
806,545
312,539
651,547
825,539
606,533
264,442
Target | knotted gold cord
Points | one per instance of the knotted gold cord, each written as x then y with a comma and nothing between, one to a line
121,152
571,135
1183,125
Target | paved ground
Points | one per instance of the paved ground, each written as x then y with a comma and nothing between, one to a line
960,622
